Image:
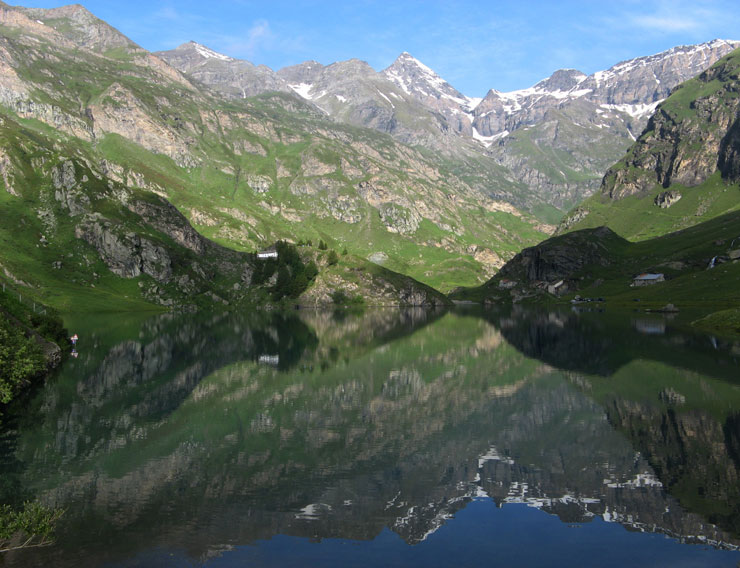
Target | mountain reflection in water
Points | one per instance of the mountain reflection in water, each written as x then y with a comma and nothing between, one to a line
198,434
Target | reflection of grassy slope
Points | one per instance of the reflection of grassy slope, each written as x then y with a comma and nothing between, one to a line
726,321
643,381
320,410
248,409
603,343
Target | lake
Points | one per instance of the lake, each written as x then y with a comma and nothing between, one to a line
391,437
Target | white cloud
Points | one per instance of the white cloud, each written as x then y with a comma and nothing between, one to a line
679,16
167,13
668,23
257,38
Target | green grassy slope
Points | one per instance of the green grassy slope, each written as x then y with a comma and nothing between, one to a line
683,257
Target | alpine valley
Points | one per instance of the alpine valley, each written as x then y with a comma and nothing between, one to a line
333,315
146,177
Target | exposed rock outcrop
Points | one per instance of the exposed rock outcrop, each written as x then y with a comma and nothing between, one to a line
667,198
128,255
693,134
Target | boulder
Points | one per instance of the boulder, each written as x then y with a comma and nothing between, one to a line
667,198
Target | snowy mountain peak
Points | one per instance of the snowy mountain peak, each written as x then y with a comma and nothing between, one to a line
207,53
423,83
406,59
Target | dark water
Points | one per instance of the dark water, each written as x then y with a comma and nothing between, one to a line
391,438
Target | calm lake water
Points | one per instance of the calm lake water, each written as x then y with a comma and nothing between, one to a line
388,438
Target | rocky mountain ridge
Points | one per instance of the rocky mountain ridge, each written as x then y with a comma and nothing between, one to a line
546,146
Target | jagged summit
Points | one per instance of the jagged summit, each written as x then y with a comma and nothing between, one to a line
420,81
562,80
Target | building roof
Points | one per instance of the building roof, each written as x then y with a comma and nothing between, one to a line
648,276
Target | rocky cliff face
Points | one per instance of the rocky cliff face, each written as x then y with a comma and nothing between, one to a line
692,135
424,85
561,257
82,28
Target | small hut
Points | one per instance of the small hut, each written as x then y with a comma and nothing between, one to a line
647,278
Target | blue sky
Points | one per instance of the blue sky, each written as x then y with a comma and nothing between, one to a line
475,45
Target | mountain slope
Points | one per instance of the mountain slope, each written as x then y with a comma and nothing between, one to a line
542,149
685,166
245,172
563,133
424,85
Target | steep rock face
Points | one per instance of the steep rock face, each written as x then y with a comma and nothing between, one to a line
353,92
692,135
127,255
121,112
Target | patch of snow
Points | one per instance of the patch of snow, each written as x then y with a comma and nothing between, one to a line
341,99
579,93
392,502
493,455
210,54
458,100
398,80
386,98
635,111
303,90
40,22
488,140
641,480
473,102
